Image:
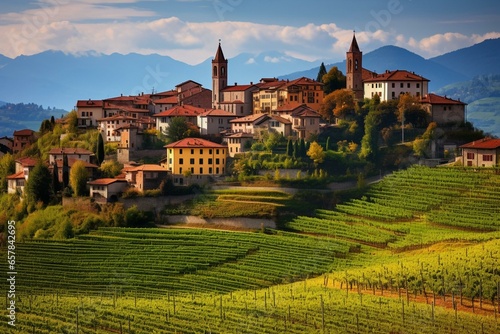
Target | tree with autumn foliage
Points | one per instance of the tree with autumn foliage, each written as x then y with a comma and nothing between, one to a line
340,103
316,153
333,80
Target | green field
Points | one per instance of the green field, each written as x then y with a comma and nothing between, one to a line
418,253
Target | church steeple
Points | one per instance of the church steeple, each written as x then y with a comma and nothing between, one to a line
219,76
354,73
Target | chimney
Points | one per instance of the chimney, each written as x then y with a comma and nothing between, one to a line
236,84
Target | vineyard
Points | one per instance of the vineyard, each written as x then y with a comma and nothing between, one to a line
418,253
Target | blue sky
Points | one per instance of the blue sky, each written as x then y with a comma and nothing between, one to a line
188,30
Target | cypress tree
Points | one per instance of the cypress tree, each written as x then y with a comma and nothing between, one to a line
302,148
322,71
289,148
327,146
65,171
38,187
56,185
296,152
100,149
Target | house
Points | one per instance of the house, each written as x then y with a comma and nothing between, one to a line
246,124
305,120
272,123
90,167
71,153
22,139
443,110
89,111
6,145
17,181
215,121
192,93
388,85
107,189
238,143
146,177
108,125
190,113
481,153
195,160
131,139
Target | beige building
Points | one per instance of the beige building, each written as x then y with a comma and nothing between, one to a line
107,190
239,143
481,153
443,110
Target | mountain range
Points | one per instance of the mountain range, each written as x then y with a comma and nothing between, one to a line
55,79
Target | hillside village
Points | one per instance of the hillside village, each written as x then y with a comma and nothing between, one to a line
226,122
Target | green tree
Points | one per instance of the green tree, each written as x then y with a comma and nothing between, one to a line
110,168
65,171
302,148
78,178
369,143
179,128
100,149
322,71
56,185
7,167
289,148
316,153
72,118
38,188
333,80
327,145
420,145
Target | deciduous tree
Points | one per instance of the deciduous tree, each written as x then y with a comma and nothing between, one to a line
38,188
78,178
316,153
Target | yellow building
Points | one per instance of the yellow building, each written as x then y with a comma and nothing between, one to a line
195,160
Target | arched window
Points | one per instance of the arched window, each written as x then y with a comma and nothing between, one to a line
356,64
215,70
222,71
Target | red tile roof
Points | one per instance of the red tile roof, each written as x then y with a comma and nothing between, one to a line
105,181
27,162
182,111
89,103
24,132
194,143
437,99
485,143
302,110
397,75
240,135
217,113
16,176
237,88
116,117
188,81
303,81
246,119
167,100
147,168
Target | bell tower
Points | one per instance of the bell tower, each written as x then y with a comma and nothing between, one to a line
219,77
354,73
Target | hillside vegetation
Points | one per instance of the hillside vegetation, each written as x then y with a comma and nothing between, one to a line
418,253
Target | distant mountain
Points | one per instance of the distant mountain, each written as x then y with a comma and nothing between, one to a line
53,78
482,58
396,58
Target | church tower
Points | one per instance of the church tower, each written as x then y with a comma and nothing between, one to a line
219,77
354,73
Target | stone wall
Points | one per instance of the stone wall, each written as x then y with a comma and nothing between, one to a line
154,204
238,222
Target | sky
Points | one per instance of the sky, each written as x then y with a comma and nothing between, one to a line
189,30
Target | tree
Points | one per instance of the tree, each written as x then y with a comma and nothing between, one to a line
38,188
72,118
327,145
420,145
110,168
56,185
78,178
316,153
65,171
369,143
322,71
340,103
302,148
100,149
179,128
7,167
289,148
333,80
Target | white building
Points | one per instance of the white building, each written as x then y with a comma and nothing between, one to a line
391,84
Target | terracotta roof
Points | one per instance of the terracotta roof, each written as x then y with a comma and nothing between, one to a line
274,84
485,143
187,81
16,176
120,98
217,113
305,111
437,99
70,150
167,100
367,74
183,111
105,182
147,168
27,162
219,55
237,88
354,45
24,132
125,108
397,75
89,103
303,81
246,119
280,119
194,143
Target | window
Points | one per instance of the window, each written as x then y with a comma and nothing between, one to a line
393,95
210,151
487,157
210,170
401,85
217,151
180,151
192,151
217,161
191,161
393,85
470,156
201,161
210,161
418,84
201,170
181,161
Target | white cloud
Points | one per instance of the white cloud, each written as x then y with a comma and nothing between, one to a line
250,61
